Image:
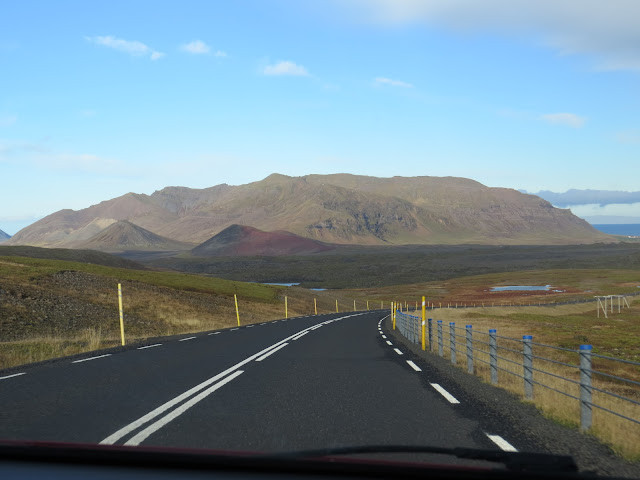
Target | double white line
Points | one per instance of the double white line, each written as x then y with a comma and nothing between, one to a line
222,379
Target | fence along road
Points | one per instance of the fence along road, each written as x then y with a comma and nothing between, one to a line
535,366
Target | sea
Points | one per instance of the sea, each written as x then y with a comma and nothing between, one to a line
631,229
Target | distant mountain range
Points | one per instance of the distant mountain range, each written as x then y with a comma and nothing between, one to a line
337,209
4,236
588,197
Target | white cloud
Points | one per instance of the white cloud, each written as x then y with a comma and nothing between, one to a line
197,47
394,83
608,31
286,68
134,48
566,119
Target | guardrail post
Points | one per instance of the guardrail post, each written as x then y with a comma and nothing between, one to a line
585,387
528,366
440,349
493,355
452,341
469,349
430,335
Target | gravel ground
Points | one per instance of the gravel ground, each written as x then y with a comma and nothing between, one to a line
537,432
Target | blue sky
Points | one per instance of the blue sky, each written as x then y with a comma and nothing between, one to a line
98,99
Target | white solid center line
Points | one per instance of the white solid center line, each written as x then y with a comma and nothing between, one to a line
301,335
389,343
14,375
414,366
91,358
214,333
185,339
149,346
444,393
271,352
398,351
135,440
502,443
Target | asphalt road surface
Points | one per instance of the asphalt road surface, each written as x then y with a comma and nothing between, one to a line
303,383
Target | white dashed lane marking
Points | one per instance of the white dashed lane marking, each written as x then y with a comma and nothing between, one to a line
185,339
414,366
398,351
502,443
149,346
91,358
444,393
11,376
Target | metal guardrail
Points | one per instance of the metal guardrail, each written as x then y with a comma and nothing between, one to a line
524,359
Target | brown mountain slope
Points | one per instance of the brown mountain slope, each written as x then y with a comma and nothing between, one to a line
240,240
124,235
343,209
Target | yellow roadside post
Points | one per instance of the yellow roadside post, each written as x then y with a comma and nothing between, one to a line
121,313
393,314
424,315
367,304
381,304
337,306
286,308
315,305
354,305
235,298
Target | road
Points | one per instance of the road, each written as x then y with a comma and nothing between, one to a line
303,383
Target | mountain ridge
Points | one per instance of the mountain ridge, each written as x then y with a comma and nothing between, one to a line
337,208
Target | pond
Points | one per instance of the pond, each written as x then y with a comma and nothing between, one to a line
521,287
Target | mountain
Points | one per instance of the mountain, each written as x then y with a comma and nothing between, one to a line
4,236
341,208
124,235
240,240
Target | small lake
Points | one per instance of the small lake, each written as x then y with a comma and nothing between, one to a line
521,287
279,284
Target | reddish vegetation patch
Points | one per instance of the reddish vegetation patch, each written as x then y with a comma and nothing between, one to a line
240,240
